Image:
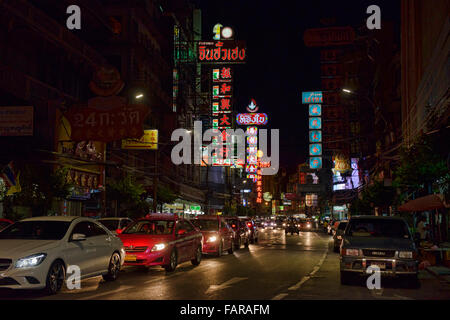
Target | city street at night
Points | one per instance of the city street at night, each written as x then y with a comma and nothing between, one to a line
279,267
219,159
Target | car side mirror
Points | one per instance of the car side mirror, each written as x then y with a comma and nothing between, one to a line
181,232
78,237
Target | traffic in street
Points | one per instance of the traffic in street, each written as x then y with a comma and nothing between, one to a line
279,266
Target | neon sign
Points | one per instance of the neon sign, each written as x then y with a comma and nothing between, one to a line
315,110
312,97
255,119
225,51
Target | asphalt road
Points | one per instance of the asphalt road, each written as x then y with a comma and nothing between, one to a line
278,267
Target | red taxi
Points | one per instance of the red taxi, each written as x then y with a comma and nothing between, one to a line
4,223
162,240
217,235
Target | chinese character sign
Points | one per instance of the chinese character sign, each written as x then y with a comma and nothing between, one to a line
315,123
315,110
315,136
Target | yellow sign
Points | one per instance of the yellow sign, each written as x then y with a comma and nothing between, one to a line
149,141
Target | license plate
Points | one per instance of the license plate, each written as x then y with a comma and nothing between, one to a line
130,258
380,265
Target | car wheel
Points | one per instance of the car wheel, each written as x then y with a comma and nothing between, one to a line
198,257
219,251
238,245
113,268
172,261
230,251
346,278
55,277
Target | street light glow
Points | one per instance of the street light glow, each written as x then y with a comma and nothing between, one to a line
347,90
139,96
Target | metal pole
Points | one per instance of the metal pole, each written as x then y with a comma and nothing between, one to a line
155,184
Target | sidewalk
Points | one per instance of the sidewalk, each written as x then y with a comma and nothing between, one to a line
441,272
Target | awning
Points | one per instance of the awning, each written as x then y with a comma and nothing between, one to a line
430,202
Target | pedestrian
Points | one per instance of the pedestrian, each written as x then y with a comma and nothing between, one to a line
422,228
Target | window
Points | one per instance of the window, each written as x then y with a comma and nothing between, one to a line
98,230
83,228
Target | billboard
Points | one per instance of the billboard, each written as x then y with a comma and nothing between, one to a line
327,37
16,121
149,141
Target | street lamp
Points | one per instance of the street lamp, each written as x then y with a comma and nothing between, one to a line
139,96
347,90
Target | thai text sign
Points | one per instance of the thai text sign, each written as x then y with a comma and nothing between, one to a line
16,121
149,141
312,97
327,37
224,51
98,124
252,119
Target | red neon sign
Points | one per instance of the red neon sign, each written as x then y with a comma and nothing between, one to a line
249,119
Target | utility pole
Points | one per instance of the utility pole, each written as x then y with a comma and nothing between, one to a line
155,183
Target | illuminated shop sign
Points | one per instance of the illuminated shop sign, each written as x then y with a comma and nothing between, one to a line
315,110
223,74
252,119
315,162
312,97
315,136
252,107
224,51
315,149
315,123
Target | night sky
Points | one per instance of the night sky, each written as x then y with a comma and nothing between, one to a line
279,66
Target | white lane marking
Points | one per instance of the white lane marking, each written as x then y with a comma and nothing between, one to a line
280,296
224,285
299,284
96,296
309,276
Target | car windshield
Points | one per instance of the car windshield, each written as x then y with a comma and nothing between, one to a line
378,228
36,230
110,224
342,226
206,224
151,227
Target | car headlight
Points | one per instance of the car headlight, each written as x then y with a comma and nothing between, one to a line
350,252
284,224
31,261
406,254
212,239
159,247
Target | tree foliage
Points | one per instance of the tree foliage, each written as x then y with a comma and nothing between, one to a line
420,164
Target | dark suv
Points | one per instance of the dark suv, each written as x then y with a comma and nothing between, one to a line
385,242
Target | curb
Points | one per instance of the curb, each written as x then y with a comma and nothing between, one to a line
437,275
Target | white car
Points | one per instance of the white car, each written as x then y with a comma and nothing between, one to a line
36,252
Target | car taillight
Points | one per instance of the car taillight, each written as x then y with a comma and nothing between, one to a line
233,226
249,224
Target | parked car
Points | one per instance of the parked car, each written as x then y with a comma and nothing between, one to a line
254,232
241,232
116,225
35,252
4,223
385,242
337,238
217,235
162,240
